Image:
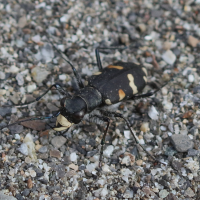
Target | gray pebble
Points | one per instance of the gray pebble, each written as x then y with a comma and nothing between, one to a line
58,141
182,143
20,79
6,197
43,149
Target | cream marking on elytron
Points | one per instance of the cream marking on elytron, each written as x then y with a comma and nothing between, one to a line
97,73
121,94
115,67
132,84
108,102
145,79
144,70
63,122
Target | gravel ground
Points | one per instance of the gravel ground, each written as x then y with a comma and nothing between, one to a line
39,163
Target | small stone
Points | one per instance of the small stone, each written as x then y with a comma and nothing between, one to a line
20,79
182,143
29,183
32,173
60,171
6,197
55,153
189,192
22,22
2,92
37,125
191,78
73,157
27,160
63,77
58,141
169,57
36,38
73,166
163,194
176,164
26,192
39,74
153,113
31,87
167,45
187,114
192,41
142,27
43,149
124,39
2,75
108,151
144,127
139,162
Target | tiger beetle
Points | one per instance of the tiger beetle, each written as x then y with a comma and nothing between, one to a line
112,84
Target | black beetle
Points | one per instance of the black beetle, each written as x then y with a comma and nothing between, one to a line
112,84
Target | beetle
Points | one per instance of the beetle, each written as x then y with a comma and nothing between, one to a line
110,85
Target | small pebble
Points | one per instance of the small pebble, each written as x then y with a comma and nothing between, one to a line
58,141
153,113
182,143
73,157
169,57
192,41
144,127
163,194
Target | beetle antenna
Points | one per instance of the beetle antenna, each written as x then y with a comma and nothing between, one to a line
80,83
31,119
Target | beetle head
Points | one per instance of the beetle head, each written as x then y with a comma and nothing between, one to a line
72,112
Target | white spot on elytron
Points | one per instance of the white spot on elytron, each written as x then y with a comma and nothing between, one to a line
97,73
63,122
108,102
137,63
145,78
145,71
132,84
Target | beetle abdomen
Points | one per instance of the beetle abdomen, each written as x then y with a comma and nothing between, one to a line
119,81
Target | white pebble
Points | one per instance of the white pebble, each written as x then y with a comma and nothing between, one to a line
36,38
23,149
144,127
31,88
73,157
2,75
62,77
169,57
108,151
191,78
17,136
127,134
153,113
106,168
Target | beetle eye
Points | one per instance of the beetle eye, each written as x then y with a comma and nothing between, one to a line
78,116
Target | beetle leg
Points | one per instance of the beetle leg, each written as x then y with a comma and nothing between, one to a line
115,114
98,59
148,94
107,120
